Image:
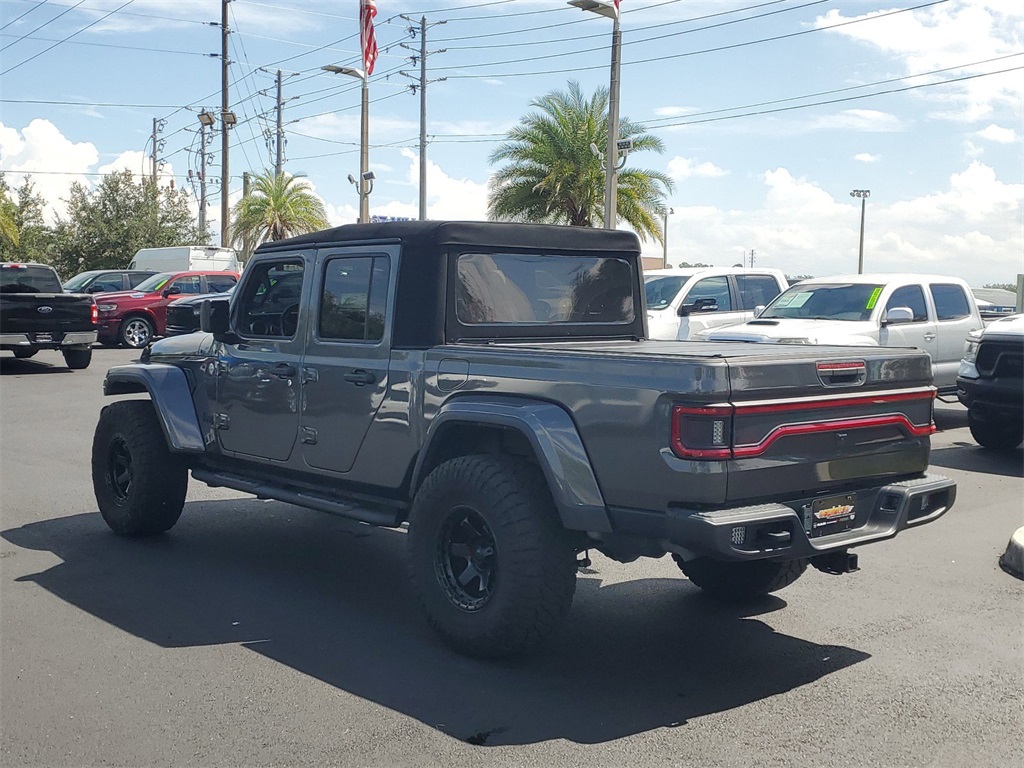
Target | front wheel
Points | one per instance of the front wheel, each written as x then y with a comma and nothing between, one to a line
1000,434
136,332
743,581
139,484
490,563
77,359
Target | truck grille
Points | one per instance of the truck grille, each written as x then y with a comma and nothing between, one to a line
1001,359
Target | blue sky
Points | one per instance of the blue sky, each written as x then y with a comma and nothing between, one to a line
771,112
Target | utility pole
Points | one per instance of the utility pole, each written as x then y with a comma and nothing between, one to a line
422,86
225,110
279,163
152,157
751,258
202,178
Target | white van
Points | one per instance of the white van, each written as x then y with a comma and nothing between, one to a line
186,258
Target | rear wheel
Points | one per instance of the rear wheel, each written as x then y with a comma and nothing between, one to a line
24,354
77,359
136,332
490,563
740,582
139,484
1001,434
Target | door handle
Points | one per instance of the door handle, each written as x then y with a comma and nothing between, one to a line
929,337
360,377
283,370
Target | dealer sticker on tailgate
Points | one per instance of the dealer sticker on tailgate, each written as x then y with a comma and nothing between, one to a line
832,514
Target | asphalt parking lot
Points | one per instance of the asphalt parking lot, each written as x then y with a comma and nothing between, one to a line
256,633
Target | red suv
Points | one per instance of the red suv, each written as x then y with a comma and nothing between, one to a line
134,318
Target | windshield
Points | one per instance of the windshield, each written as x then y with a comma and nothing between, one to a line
825,301
23,279
154,283
76,282
662,289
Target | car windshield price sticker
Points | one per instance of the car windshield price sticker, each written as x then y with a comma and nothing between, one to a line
792,300
873,298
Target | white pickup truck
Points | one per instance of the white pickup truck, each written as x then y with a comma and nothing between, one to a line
933,313
690,300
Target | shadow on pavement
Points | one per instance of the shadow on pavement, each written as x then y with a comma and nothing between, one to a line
973,458
947,417
12,366
298,588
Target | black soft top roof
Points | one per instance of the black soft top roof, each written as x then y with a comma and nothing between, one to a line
421,291
483,233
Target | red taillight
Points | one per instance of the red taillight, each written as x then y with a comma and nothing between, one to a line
702,433
95,314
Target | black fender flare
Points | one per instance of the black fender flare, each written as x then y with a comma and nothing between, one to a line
557,445
169,390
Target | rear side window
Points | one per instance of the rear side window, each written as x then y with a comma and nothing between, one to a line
950,302
353,300
909,296
524,289
134,278
106,283
716,288
757,290
20,279
220,283
189,284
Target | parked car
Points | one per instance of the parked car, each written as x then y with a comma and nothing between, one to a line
186,258
991,383
106,280
686,301
36,313
183,314
930,312
492,385
135,318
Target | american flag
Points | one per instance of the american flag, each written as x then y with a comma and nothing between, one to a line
367,10
616,7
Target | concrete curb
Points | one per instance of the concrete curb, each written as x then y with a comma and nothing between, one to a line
1012,560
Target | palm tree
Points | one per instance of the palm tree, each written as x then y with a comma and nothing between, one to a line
553,176
275,208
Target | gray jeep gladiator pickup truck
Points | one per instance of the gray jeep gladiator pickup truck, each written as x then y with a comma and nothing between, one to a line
492,386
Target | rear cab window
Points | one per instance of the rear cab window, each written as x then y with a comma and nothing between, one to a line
21,278
757,290
950,301
220,283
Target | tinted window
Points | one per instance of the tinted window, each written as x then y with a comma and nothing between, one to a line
714,288
661,289
106,283
220,283
909,296
76,283
354,298
950,302
826,301
190,284
518,289
756,290
29,280
154,283
134,278
270,304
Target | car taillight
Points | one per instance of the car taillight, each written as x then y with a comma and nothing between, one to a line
95,314
702,433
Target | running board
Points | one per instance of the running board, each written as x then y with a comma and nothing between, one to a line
299,498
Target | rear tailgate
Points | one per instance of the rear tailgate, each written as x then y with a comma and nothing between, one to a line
53,314
829,419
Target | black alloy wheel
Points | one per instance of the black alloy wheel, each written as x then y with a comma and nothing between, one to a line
467,557
119,469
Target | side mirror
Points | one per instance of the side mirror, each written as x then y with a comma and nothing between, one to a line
898,316
758,310
706,304
94,288
214,318
172,291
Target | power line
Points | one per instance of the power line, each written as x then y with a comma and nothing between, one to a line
48,21
121,47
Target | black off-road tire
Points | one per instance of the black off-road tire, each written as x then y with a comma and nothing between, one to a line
24,354
77,359
502,502
139,483
999,434
740,582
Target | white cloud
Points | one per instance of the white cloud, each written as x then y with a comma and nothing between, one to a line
447,197
864,120
674,111
999,134
865,157
685,168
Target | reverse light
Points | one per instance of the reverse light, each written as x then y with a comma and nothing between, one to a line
95,315
702,433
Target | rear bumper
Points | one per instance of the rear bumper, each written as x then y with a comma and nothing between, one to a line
782,531
26,341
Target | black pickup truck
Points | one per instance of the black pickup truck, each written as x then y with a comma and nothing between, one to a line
492,386
36,314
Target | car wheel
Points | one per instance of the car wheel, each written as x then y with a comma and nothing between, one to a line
743,581
136,332
77,359
490,563
139,483
24,354
1002,434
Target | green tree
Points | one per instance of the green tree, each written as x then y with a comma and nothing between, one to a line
107,225
35,238
275,208
553,176
8,220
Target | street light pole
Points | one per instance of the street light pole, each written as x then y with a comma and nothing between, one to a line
664,238
611,157
863,194
365,183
